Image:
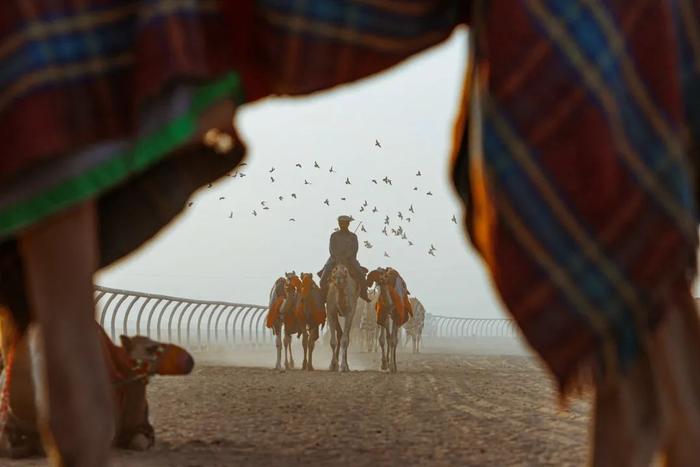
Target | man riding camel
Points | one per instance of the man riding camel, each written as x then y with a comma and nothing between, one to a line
343,249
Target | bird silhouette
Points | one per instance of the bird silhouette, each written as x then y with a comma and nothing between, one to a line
375,209
316,165
362,209
418,174
384,231
272,179
400,215
410,243
326,202
408,219
376,143
230,216
298,165
386,220
411,209
254,212
280,198
386,180
343,199
294,195
242,175
432,247
347,181
189,205
363,228
306,182
365,203
262,203
386,255
266,208
368,244
415,188
394,232
331,169
374,181
431,252
403,236
272,170
291,219
430,193
222,198
454,218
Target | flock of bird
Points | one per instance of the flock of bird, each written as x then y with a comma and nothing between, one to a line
398,231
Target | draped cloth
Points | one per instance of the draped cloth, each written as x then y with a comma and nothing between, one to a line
575,151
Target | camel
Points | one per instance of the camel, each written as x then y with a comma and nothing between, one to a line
130,367
368,323
282,316
393,311
341,302
312,313
414,326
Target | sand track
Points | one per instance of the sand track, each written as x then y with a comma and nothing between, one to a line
440,409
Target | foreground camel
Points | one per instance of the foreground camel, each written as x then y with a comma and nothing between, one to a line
130,367
282,316
341,302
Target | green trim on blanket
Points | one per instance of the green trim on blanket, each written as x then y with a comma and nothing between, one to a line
147,151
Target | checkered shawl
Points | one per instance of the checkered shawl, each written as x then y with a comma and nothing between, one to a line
577,178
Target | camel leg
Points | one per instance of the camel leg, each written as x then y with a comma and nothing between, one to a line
291,355
278,345
382,344
345,341
312,343
287,351
305,345
395,331
333,329
60,256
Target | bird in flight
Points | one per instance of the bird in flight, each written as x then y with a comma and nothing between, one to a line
368,244
262,203
280,198
386,180
376,143
374,181
316,165
230,216
415,188
365,203
454,218
272,179
418,174
410,243
432,247
403,236
408,219
362,209
431,252
266,208
386,220
189,205
272,170
400,215
363,228
326,202
298,165
347,181
331,169
430,193
294,195
306,182
384,231
375,209
343,199
411,209
242,175
254,212
291,219
394,231
222,198
386,255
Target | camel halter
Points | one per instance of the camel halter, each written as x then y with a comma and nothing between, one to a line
140,371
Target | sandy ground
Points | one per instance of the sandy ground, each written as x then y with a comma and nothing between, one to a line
444,407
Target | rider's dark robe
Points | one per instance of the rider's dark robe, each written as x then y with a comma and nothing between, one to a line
343,248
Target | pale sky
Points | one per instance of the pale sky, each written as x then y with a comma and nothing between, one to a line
411,109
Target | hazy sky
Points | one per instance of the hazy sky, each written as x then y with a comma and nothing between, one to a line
410,110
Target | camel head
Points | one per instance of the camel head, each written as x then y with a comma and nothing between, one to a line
156,358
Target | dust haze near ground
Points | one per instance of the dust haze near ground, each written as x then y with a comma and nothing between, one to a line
479,404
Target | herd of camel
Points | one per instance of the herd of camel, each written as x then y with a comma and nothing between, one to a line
297,308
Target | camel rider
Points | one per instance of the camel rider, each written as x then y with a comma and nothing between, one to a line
343,249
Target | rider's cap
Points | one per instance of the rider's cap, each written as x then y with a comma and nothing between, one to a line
345,218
